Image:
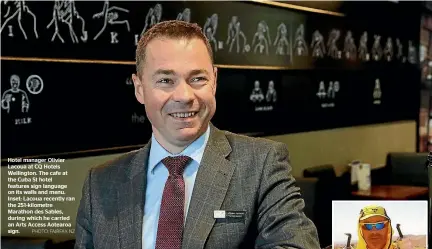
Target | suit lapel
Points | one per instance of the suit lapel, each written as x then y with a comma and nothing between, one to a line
211,184
131,201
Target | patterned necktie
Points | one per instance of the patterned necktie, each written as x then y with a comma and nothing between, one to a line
171,217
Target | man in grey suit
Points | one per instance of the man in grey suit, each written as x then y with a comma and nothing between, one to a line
191,186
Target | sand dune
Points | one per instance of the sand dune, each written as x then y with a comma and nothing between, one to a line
408,242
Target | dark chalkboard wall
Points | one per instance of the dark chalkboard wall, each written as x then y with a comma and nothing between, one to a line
73,62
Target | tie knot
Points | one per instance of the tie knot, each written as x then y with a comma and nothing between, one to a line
176,165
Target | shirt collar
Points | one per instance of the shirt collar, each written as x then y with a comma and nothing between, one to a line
195,150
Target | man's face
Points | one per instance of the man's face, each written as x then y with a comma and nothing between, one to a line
234,19
257,84
34,84
177,87
375,231
15,82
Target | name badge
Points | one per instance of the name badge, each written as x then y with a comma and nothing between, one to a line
229,216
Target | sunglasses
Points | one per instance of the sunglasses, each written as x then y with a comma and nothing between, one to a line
378,225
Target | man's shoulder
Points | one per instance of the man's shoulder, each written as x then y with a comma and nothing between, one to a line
241,142
117,166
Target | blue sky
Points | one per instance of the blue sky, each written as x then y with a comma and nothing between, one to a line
412,215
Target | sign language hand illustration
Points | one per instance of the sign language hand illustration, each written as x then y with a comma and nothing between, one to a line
399,45
210,28
17,10
65,14
362,49
412,53
281,41
263,40
388,49
350,49
110,16
271,95
185,15
377,51
299,42
257,94
154,16
234,34
333,50
317,45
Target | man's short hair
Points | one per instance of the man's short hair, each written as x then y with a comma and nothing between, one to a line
169,29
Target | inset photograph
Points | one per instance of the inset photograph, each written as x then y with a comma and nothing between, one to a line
380,224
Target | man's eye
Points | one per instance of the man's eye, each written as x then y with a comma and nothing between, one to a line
199,79
164,81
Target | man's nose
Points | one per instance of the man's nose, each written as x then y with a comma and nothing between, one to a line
183,92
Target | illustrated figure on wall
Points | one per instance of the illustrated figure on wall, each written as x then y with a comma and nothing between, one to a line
14,99
321,90
299,42
234,33
17,10
333,50
281,42
332,89
185,15
362,49
271,95
34,84
231,29
110,16
412,54
129,81
153,16
399,54
65,13
317,45
210,28
388,49
263,40
257,93
350,49
377,90
376,48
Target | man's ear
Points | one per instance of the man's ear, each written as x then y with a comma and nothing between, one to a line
215,80
139,90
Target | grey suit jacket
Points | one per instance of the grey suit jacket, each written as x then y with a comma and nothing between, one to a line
237,173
